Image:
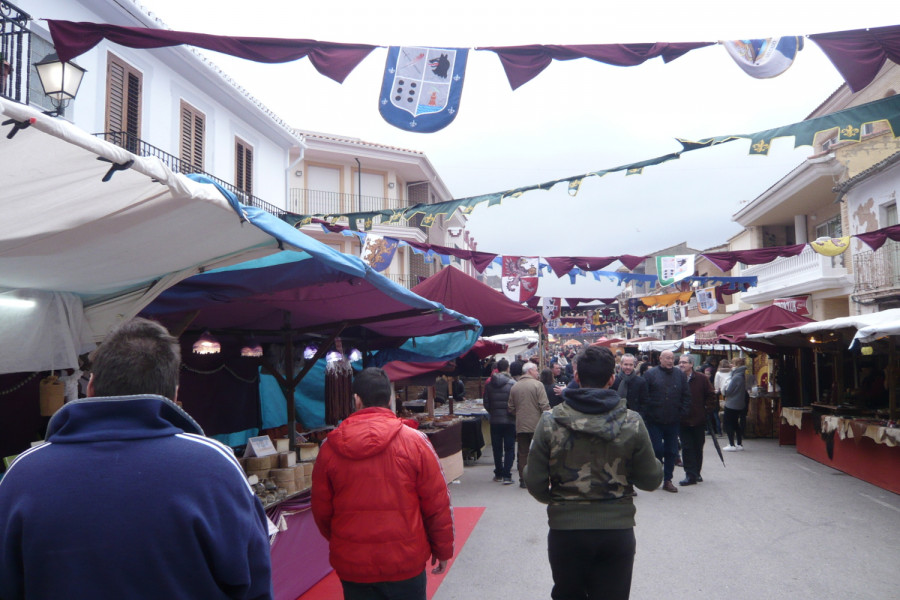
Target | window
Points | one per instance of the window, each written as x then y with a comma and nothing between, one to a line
868,128
243,166
39,49
827,144
831,228
123,103
191,139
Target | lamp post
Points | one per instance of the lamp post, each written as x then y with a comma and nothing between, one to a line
60,81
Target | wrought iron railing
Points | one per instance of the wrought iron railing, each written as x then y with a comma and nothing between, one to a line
14,60
406,280
878,270
320,202
139,147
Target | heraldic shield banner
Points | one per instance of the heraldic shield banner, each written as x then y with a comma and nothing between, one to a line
519,277
422,87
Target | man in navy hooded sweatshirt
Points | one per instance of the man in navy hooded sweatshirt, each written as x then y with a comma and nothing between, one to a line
127,498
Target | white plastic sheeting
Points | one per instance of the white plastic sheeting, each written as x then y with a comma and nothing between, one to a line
870,326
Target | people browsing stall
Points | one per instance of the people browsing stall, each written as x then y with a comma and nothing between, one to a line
503,424
380,499
668,400
127,498
587,456
692,432
527,401
735,406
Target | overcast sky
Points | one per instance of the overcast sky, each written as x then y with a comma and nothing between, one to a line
576,116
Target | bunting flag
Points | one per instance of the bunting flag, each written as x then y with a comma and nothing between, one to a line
670,269
666,299
550,308
422,87
335,61
378,251
706,300
849,121
765,58
831,246
519,277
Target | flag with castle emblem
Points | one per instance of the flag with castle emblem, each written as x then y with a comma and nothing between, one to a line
422,87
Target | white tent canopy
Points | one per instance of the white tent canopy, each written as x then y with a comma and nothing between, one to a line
68,238
516,343
674,345
875,321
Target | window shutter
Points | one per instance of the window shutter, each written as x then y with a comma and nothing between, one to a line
123,103
243,167
191,151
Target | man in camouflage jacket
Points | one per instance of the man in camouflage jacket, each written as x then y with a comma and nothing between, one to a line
586,457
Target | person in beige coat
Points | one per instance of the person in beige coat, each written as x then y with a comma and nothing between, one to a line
527,401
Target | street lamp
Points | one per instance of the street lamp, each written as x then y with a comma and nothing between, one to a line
60,81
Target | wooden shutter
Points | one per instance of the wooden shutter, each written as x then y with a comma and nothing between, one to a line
243,178
192,135
123,103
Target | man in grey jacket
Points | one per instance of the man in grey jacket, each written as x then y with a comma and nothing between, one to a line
735,406
527,401
587,455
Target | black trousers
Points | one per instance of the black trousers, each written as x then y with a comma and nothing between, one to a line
734,422
692,440
590,564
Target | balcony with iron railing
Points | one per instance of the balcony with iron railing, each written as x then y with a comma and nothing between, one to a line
320,202
139,147
878,273
14,59
805,273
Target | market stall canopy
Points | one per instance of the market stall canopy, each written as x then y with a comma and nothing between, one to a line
607,342
95,229
463,293
737,327
870,327
314,292
517,343
688,343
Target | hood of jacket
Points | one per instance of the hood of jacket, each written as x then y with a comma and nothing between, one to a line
738,370
118,418
365,433
595,411
499,381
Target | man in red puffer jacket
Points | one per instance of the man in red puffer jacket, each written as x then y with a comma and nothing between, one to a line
380,499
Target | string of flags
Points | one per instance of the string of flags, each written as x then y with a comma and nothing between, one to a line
846,123
422,86
670,269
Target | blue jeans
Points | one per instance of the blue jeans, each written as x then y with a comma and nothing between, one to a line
665,445
408,589
503,443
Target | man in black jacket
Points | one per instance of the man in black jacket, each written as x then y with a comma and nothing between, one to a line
629,384
503,424
668,400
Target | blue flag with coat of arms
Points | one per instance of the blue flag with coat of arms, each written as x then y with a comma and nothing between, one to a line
422,87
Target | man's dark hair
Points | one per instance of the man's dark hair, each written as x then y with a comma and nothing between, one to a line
137,358
515,369
373,387
547,377
502,365
594,366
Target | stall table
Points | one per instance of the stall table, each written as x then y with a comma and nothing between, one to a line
863,448
299,552
447,442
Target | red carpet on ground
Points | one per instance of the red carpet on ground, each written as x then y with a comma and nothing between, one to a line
464,520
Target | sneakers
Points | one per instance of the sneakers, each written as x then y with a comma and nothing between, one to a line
521,484
739,448
507,481
730,448
497,479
